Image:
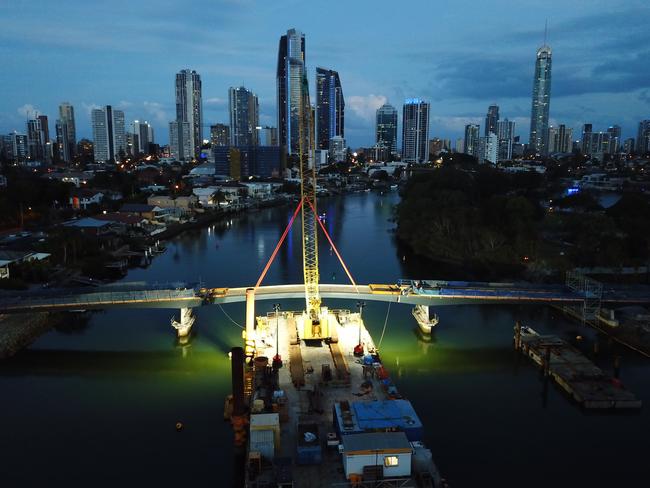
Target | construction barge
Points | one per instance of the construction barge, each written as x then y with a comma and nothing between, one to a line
316,413
581,379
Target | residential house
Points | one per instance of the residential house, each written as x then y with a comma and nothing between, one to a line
83,197
261,190
8,258
91,226
177,206
149,212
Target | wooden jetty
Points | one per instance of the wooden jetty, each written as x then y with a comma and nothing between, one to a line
585,382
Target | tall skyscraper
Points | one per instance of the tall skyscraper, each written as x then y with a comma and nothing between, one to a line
643,137
109,138
415,130
267,136
472,136
614,132
338,149
189,108
220,135
587,130
505,131
290,87
36,138
244,117
541,100
598,144
62,146
491,120
628,145
489,149
142,137
560,139
66,120
15,147
386,127
330,107
180,140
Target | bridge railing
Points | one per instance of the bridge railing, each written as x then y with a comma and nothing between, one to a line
95,298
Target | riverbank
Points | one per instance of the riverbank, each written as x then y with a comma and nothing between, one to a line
216,216
519,226
19,331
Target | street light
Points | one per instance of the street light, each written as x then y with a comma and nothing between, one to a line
358,349
277,359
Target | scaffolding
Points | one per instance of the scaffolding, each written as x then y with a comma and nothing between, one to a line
591,292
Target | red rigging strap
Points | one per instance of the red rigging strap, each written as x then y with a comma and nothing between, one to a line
277,247
334,247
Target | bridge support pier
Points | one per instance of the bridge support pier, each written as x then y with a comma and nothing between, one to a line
250,313
250,323
184,326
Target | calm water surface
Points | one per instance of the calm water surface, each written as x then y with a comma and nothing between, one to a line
98,407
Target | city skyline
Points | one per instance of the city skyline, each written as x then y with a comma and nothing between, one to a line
585,42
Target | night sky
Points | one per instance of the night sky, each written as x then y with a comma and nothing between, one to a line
461,56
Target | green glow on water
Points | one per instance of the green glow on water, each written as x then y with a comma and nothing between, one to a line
99,407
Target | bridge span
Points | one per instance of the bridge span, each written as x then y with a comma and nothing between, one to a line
425,292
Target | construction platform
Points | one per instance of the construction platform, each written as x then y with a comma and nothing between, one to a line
314,377
585,382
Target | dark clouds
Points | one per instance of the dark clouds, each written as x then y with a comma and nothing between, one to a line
462,56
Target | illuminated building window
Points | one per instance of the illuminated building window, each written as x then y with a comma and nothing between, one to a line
391,461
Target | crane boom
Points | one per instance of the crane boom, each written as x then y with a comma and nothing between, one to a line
313,328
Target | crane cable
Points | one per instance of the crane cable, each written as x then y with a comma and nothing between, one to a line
229,317
384,329
345,268
278,245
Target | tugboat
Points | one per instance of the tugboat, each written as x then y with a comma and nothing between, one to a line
425,321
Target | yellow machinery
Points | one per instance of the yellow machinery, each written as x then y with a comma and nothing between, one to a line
314,324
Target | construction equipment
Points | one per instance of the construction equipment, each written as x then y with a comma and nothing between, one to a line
314,325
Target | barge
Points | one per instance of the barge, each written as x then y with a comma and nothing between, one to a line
323,413
581,379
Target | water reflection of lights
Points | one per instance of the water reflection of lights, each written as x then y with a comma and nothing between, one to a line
260,249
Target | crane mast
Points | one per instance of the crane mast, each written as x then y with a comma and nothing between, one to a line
313,326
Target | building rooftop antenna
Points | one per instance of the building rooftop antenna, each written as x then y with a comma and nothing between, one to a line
545,30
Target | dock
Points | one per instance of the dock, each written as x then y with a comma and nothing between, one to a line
580,378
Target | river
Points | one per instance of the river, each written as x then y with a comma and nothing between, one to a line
98,406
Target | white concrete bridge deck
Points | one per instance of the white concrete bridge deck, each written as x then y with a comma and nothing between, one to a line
180,296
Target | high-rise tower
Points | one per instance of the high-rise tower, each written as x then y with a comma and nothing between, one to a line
541,100
66,133
290,74
415,131
330,107
244,117
36,133
109,141
643,137
472,136
491,120
189,108
142,134
386,127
